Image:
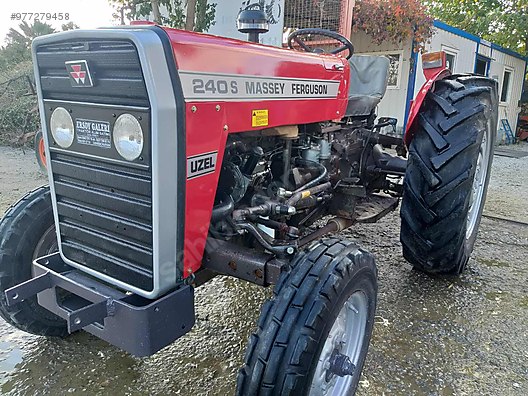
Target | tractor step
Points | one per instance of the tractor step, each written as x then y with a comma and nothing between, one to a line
373,207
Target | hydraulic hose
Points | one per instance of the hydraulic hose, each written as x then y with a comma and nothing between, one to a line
318,179
305,193
223,209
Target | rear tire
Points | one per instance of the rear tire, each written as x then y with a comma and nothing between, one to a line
323,306
27,231
448,173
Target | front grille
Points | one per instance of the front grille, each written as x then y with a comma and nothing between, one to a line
114,65
105,217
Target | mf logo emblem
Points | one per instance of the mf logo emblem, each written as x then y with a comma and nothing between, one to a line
201,164
79,73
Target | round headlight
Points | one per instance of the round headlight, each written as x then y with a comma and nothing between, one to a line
61,125
128,137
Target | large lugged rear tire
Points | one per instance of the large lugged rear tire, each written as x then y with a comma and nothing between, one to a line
448,173
322,309
27,231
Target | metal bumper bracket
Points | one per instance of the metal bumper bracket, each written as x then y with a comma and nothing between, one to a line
135,324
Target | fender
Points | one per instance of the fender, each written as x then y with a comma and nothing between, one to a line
432,74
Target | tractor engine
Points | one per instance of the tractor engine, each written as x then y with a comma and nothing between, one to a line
275,184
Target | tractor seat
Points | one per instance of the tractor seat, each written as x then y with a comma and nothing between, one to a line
368,82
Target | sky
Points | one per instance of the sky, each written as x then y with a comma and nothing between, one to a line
87,14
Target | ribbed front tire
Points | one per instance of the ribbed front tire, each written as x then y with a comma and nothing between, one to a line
27,231
448,173
296,335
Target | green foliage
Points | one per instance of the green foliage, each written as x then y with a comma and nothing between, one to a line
18,103
175,14
205,15
393,20
504,22
18,106
174,17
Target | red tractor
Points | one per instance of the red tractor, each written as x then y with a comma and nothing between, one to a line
175,156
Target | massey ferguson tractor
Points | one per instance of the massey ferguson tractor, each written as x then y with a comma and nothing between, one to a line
175,156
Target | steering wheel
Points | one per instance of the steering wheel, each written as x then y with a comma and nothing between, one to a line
296,36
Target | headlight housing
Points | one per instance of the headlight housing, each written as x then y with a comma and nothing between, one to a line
61,125
128,137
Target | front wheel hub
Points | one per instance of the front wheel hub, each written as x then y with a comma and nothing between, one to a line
340,365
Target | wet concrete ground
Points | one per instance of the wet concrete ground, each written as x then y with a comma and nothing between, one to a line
433,336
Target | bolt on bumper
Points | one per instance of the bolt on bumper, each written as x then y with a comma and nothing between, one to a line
130,322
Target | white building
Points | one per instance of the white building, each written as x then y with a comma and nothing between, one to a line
466,53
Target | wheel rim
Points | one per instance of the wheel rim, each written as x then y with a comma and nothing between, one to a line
47,244
479,181
346,337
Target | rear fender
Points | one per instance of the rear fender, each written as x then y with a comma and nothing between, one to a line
432,75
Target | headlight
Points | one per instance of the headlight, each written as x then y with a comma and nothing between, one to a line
61,125
128,137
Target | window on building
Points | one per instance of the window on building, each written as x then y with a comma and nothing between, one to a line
482,66
506,82
451,55
395,67
450,61
394,70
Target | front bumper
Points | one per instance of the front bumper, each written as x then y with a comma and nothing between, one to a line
130,322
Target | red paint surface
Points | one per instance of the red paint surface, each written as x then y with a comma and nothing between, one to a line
207,128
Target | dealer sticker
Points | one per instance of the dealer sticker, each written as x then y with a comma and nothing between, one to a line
93,133
259,118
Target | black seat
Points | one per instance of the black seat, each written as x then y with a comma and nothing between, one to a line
368,82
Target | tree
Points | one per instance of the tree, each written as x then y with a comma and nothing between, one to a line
28,32
18,47
504,22
393,20
175,16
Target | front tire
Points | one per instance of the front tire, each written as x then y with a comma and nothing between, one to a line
27,231
313,335
448,173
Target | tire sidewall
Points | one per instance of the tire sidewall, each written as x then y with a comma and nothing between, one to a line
20,231
470,242
29,239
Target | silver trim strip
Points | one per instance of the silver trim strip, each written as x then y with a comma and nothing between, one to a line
164,148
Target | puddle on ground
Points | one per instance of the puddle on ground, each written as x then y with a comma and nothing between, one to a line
10,356
492,263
